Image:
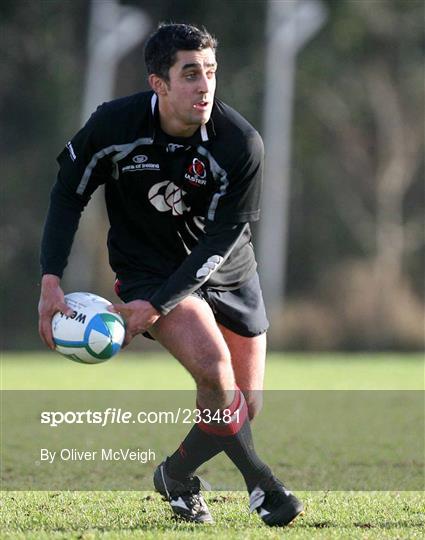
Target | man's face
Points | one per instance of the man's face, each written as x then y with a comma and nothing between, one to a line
187,98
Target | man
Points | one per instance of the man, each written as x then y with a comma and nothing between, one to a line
182,174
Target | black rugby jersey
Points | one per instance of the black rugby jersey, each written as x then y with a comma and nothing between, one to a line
179,208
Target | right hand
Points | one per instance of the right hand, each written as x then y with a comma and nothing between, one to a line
51,301
139,315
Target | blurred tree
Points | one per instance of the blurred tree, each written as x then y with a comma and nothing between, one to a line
359,159
42,47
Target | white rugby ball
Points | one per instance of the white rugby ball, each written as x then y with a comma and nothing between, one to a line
92,334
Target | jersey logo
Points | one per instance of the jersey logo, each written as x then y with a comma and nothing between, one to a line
141,166
196,172
166,196
172,147
209,266
140,159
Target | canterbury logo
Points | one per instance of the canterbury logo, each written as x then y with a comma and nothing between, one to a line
210,266
166,196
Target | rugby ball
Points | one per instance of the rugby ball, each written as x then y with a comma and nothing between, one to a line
92,334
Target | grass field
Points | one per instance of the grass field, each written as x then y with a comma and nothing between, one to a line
157,371
135,514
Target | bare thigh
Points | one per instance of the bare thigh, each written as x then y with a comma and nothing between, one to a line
248,356
190,333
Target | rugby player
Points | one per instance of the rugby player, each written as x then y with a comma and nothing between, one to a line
182,173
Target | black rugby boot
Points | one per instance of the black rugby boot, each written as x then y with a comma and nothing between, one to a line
185,497
276,505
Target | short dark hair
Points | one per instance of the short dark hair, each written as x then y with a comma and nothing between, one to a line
162,46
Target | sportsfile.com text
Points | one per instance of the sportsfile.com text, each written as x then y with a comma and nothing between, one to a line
113,415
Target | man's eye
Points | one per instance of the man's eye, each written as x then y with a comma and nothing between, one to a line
191,76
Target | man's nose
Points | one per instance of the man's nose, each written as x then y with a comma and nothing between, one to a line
204,84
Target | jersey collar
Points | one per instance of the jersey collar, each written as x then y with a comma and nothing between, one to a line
202,135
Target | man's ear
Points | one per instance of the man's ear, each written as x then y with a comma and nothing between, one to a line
158,85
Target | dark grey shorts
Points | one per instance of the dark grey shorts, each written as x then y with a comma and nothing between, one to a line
240,310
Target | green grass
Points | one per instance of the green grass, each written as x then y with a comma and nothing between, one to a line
133,514
158,371
106,515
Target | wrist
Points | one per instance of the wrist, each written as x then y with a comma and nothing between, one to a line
50,281
156,309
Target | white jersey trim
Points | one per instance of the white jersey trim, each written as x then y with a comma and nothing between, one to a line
204,133
123,149
154,99
219,174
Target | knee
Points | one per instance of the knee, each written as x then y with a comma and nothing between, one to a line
254,401
215,371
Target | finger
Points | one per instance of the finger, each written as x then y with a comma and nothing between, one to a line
65,309
122,309
45,330
41,334
128,337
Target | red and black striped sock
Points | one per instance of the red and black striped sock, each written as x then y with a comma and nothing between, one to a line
232,434
234,437
197,448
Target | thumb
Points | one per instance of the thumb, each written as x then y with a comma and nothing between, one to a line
122,309
65,309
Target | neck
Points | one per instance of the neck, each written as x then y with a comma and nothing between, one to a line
173,127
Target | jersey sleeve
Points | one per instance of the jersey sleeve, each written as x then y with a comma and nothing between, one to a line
237,197
205,259
83,166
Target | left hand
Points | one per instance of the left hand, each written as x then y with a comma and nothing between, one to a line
139,315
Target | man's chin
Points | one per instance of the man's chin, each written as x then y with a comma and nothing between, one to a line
202,117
